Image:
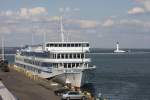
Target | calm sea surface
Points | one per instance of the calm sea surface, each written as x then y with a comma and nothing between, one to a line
121,76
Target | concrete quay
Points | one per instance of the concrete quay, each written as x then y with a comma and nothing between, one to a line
24,88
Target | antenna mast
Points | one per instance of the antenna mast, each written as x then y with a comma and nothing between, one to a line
44,40
61,29
32,38
2,48
44,37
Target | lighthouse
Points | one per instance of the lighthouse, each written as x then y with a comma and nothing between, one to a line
117,49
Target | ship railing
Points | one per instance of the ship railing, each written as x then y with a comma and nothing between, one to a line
76,70
87,67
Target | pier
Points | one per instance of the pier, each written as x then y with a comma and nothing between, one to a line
24,88
5,94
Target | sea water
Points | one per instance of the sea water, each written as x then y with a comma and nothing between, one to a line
122,76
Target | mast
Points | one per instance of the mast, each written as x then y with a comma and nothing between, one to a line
32,39
44,37
61,29
2,49
44,40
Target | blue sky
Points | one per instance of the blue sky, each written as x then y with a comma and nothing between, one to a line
88,8
101,22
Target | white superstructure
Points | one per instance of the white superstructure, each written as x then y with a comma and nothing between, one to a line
65,61
118,50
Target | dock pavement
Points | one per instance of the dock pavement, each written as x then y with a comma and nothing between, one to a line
5,94
25,89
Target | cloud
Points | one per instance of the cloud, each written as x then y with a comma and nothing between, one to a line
68,9
146,4
108,23
84,23
144,7
37,10
88,24
25,12
136,10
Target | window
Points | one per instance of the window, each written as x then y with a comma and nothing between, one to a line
69,65
45,64
66,56
54,55
65,65
72,45
68,45
60,45
87,45
76,45
73,65
56,45
82,55
64,45
79,45
62,56
77,64
58,56
51,45
74,55
74,93
70,55
47,45
78,55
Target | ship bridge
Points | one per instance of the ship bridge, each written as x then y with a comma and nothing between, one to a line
67,47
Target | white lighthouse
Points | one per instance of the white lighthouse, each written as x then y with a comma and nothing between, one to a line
117,49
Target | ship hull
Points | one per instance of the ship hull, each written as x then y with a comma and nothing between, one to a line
74,79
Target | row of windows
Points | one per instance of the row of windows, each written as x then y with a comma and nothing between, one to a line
69,56
44,64
68,45
69,65
29,68
36,54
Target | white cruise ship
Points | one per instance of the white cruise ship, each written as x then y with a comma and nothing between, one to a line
65,61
